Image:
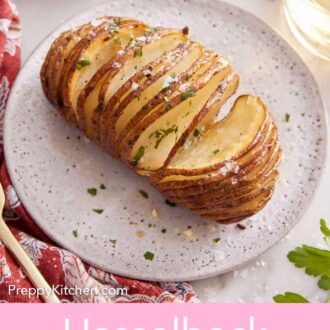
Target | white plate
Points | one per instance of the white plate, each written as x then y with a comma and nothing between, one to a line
51,164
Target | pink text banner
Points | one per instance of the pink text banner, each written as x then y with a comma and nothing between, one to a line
164,317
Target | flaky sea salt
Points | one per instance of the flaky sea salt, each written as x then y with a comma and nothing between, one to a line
154,213
95,22
169,80
229,165
116,65
184,86
189,235
146,72
135,86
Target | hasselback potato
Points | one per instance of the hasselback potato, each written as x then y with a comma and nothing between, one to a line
152,98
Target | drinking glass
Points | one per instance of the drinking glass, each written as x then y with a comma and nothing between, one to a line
309,20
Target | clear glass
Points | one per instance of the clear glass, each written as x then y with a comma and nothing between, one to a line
309,20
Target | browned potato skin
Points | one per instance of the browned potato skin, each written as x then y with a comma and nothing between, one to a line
133,136
245,163
106,112
226,198
157,100
111,135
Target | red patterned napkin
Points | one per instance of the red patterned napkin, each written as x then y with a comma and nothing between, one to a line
61,268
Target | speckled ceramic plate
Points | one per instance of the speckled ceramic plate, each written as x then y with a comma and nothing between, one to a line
52,165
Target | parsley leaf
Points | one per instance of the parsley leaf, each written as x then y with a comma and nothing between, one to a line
98,211
149,256
138,52
324,282
326,231
324,228
290,298
161,134
151,30
216,240
143,194
187,94
102,186
82,63
196,132
117,21
287,117
168,107
75,233
315,261
139,155
92,191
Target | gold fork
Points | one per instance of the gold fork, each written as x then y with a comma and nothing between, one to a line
32,272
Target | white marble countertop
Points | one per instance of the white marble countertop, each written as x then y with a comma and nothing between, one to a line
271,273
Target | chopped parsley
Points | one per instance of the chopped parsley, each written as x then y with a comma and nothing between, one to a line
173,75
168,106
216,240
82,63
165,89
196,132
92,191
102,186
75,233
186,95
287,117
145,107
138,52
139,155
113,241
113,28
225,188
161,134
117,21
143,194
98,211
151,30
214,152
149,256
163,230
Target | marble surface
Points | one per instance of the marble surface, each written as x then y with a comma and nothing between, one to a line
271,273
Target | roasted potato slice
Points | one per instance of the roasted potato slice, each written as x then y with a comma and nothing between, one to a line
137,55
233,137
109,38
165,96
88,98
164,128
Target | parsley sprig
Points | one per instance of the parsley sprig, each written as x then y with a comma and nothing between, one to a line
290,297
315,261
161,134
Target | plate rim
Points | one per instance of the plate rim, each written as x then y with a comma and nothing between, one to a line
162,278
